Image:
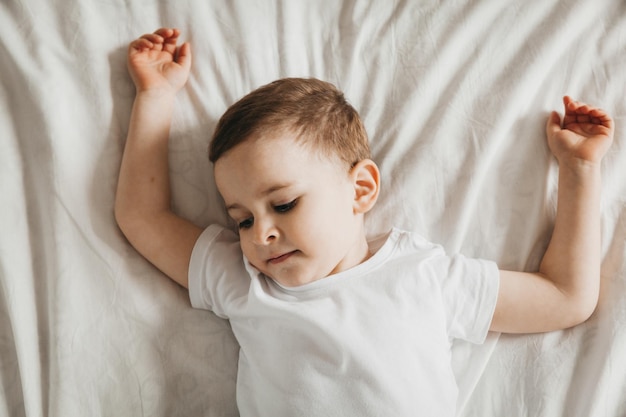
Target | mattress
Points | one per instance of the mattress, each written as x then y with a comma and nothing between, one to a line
454,96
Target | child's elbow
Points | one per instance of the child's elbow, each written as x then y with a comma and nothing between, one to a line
120,215
124,218
582,307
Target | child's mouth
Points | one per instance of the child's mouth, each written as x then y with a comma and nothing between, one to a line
280,258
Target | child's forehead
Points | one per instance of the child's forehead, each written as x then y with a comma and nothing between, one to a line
272,159
287,144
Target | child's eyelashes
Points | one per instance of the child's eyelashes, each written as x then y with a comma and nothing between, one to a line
283,208
280,208
246,224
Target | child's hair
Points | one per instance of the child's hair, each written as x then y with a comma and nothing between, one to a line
316,111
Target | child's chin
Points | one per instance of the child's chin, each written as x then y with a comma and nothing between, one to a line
294,281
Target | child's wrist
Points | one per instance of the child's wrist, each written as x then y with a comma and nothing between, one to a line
159,93
577,162
579,168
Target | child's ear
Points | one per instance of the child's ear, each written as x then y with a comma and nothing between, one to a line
366,179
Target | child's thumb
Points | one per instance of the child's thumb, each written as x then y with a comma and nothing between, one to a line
184,55
554,124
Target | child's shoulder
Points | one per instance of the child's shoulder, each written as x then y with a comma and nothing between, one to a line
404,244
408,240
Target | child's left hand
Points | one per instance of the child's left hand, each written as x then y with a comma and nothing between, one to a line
585,135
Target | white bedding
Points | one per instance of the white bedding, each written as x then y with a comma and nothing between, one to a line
454,95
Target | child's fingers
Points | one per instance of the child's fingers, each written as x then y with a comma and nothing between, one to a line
153,37
184,55
161,35
167,32
169,37
599,114
582,113
147,41
161,39
141,44
573,106
600,117
578,107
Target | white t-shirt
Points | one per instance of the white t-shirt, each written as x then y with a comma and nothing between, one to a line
373,340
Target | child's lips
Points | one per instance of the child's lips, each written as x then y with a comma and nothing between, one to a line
280,258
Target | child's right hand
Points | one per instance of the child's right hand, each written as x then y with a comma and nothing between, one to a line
156,64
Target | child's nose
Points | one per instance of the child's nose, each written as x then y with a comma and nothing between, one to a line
265,232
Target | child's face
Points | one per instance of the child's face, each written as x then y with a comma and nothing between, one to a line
294,207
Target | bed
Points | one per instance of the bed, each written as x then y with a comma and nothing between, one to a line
454,96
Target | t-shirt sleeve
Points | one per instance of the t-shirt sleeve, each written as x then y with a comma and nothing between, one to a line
469,289
217,276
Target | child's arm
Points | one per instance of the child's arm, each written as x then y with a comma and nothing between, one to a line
565,290
142,207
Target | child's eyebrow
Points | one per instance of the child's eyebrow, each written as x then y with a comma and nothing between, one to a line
234,206
275,188
265,192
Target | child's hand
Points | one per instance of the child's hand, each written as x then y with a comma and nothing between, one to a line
155,64
585,135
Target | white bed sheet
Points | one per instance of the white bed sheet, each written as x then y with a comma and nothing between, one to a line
454,96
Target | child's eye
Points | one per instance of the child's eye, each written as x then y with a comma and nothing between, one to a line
283,208
246,224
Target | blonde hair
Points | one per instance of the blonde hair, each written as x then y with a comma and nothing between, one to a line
316,111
